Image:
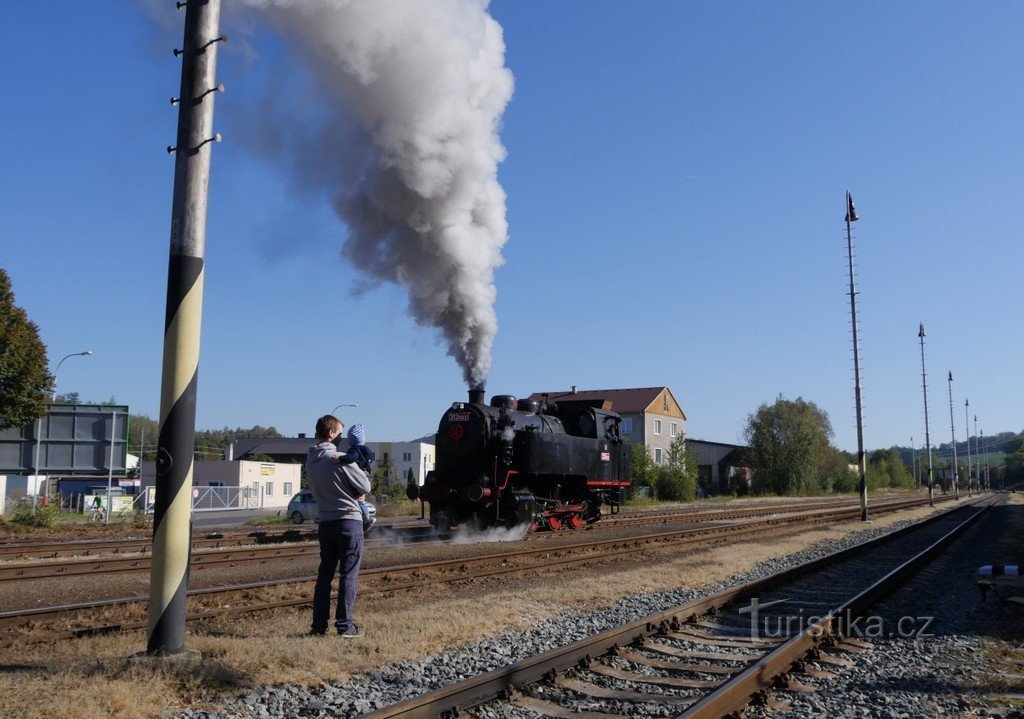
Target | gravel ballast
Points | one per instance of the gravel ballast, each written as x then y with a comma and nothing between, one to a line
397,682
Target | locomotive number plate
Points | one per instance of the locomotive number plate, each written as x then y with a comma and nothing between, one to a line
458,416
606,456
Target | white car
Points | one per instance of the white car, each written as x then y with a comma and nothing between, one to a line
303,506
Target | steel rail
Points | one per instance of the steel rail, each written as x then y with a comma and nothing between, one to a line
615,547
450,700
15,550
736,693
246,553
252,554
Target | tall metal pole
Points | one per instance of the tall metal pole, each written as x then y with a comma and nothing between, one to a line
862,460
952,431
977,456
988,478
967,432
176,441
927,434
913,464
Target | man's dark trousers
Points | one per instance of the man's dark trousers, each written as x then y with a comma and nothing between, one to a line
341,541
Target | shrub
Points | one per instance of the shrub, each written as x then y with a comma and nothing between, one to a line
43,516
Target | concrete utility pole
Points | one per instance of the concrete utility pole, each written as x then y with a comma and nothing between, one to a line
927,434
952,431
176,442
862,459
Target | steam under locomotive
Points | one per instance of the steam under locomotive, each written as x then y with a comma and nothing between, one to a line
516,462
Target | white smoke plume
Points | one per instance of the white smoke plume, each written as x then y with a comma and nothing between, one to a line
413,94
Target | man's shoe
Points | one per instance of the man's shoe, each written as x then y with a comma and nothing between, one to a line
352,632
317,633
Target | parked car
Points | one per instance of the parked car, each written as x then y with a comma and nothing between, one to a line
303,506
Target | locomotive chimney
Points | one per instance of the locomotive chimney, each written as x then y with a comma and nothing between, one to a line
476,395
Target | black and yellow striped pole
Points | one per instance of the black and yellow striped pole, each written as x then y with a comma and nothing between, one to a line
173,512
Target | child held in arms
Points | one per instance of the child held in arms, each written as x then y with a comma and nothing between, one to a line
360,455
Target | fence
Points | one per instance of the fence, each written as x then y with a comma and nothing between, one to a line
204,499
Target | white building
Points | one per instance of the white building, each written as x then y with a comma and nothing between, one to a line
243,484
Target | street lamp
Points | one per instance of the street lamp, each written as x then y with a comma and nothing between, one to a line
967,433
53,395
952,431
39,422
862,461
343,405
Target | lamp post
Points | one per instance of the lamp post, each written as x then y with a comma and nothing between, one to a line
952,432
53,395
39,422
977,456
913,464
967,432
862,459
927,435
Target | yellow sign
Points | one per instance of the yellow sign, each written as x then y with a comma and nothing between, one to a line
267,470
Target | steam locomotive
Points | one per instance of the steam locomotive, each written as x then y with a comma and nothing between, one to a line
522,462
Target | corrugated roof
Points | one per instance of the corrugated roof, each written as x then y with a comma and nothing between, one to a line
636,399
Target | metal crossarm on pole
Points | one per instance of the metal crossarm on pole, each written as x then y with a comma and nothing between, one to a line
175,445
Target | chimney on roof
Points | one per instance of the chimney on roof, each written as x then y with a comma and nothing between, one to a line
573,389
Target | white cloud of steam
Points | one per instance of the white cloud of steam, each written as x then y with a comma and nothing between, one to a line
407,147
466,535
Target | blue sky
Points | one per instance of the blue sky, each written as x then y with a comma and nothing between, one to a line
675,178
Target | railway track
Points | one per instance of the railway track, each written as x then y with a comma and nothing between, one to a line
213,551
83,618
711,657
52,549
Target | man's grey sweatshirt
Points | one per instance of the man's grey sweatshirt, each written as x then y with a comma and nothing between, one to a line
334,485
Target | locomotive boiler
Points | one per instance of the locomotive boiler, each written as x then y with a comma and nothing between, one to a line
522,462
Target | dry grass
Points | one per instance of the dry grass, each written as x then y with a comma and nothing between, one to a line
90,679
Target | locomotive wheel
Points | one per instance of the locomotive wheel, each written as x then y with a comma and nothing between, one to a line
575,521
554,523
533,527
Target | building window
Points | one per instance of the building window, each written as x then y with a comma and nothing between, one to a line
406,456
657,426
269,489
673,428
287,488
664,398
627,425
657,455
255,489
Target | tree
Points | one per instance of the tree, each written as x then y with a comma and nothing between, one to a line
677,480
643,466
789,447
886,469
25,382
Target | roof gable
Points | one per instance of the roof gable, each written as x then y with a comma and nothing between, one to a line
624,401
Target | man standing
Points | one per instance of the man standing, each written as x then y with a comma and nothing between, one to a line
336,487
